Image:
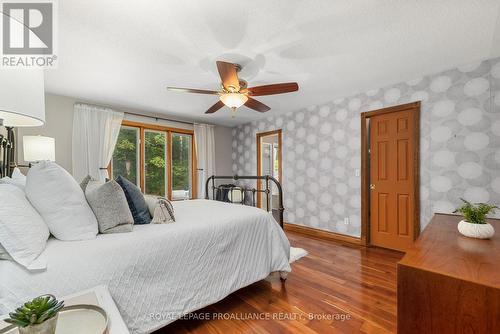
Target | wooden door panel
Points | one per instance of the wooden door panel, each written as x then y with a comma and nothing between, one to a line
403,214
383,212
392,145
402,160
382,161
402,125
383,128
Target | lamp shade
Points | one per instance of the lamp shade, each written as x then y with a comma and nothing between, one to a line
22,100
39,148
233,100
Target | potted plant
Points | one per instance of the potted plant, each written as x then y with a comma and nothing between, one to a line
474,224
38,316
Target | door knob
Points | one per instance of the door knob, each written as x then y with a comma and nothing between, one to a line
372,186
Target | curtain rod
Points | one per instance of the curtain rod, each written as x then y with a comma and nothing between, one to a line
157,118
137,114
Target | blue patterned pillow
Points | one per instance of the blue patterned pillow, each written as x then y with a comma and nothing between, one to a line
135,200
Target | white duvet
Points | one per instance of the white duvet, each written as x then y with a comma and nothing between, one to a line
159,272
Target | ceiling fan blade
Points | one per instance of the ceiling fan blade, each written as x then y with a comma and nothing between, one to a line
215,107
229,75
256,105
273,89
191,90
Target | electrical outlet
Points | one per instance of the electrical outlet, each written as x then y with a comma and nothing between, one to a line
346,220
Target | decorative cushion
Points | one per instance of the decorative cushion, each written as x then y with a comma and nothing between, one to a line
110,206
151,201
23,233
164,212
61,202
136,201
18,179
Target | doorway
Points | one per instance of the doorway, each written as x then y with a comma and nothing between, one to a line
390,201
269,148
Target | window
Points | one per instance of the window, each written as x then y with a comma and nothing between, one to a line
159,160
125,160
181,166
155,162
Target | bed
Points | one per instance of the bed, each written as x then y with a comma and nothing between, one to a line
160,272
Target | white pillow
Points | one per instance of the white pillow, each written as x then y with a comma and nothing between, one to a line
61,202
17,179
23,233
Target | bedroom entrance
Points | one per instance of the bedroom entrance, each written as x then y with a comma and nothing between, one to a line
269,163
390,176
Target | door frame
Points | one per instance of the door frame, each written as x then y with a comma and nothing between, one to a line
365,167
259,162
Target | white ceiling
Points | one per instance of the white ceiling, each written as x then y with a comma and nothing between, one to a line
124,53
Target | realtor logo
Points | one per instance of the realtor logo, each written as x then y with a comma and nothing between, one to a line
28,34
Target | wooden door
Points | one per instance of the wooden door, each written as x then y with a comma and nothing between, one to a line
392,179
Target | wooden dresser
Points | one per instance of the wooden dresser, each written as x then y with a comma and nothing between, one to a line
448,283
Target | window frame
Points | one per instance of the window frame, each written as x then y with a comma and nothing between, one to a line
165,155
193,165
168,145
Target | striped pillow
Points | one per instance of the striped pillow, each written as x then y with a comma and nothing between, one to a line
164,212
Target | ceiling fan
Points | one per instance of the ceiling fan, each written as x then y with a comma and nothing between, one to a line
234,91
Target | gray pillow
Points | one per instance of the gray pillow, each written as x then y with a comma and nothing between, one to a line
85,182
110,206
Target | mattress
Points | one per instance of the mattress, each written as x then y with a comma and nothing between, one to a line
158,273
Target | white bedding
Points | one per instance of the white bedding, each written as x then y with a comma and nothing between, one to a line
168,270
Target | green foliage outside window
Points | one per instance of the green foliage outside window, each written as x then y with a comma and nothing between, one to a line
181,161
154,154
125,154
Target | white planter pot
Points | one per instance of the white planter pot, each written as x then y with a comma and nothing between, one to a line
46,327
478,231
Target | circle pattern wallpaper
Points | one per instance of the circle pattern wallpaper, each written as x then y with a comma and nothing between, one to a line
460,147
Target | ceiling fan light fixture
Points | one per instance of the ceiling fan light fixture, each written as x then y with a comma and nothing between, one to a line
234,92
233,100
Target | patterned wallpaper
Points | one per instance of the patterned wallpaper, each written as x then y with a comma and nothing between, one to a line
460,147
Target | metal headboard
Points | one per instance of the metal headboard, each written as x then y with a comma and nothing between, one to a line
253,190
7,148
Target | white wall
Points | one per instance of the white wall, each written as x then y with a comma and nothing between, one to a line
223,150
59,124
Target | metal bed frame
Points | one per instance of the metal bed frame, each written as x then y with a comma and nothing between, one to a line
253,191
7,150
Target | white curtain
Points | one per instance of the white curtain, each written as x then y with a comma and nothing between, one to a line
204,140
95,132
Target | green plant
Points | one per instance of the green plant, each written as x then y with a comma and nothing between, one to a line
475,213
35,311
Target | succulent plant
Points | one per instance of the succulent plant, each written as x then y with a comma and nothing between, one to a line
35,311
475,213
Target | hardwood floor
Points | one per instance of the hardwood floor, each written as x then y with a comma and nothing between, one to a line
337,288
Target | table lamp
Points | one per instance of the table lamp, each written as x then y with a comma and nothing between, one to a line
39,148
